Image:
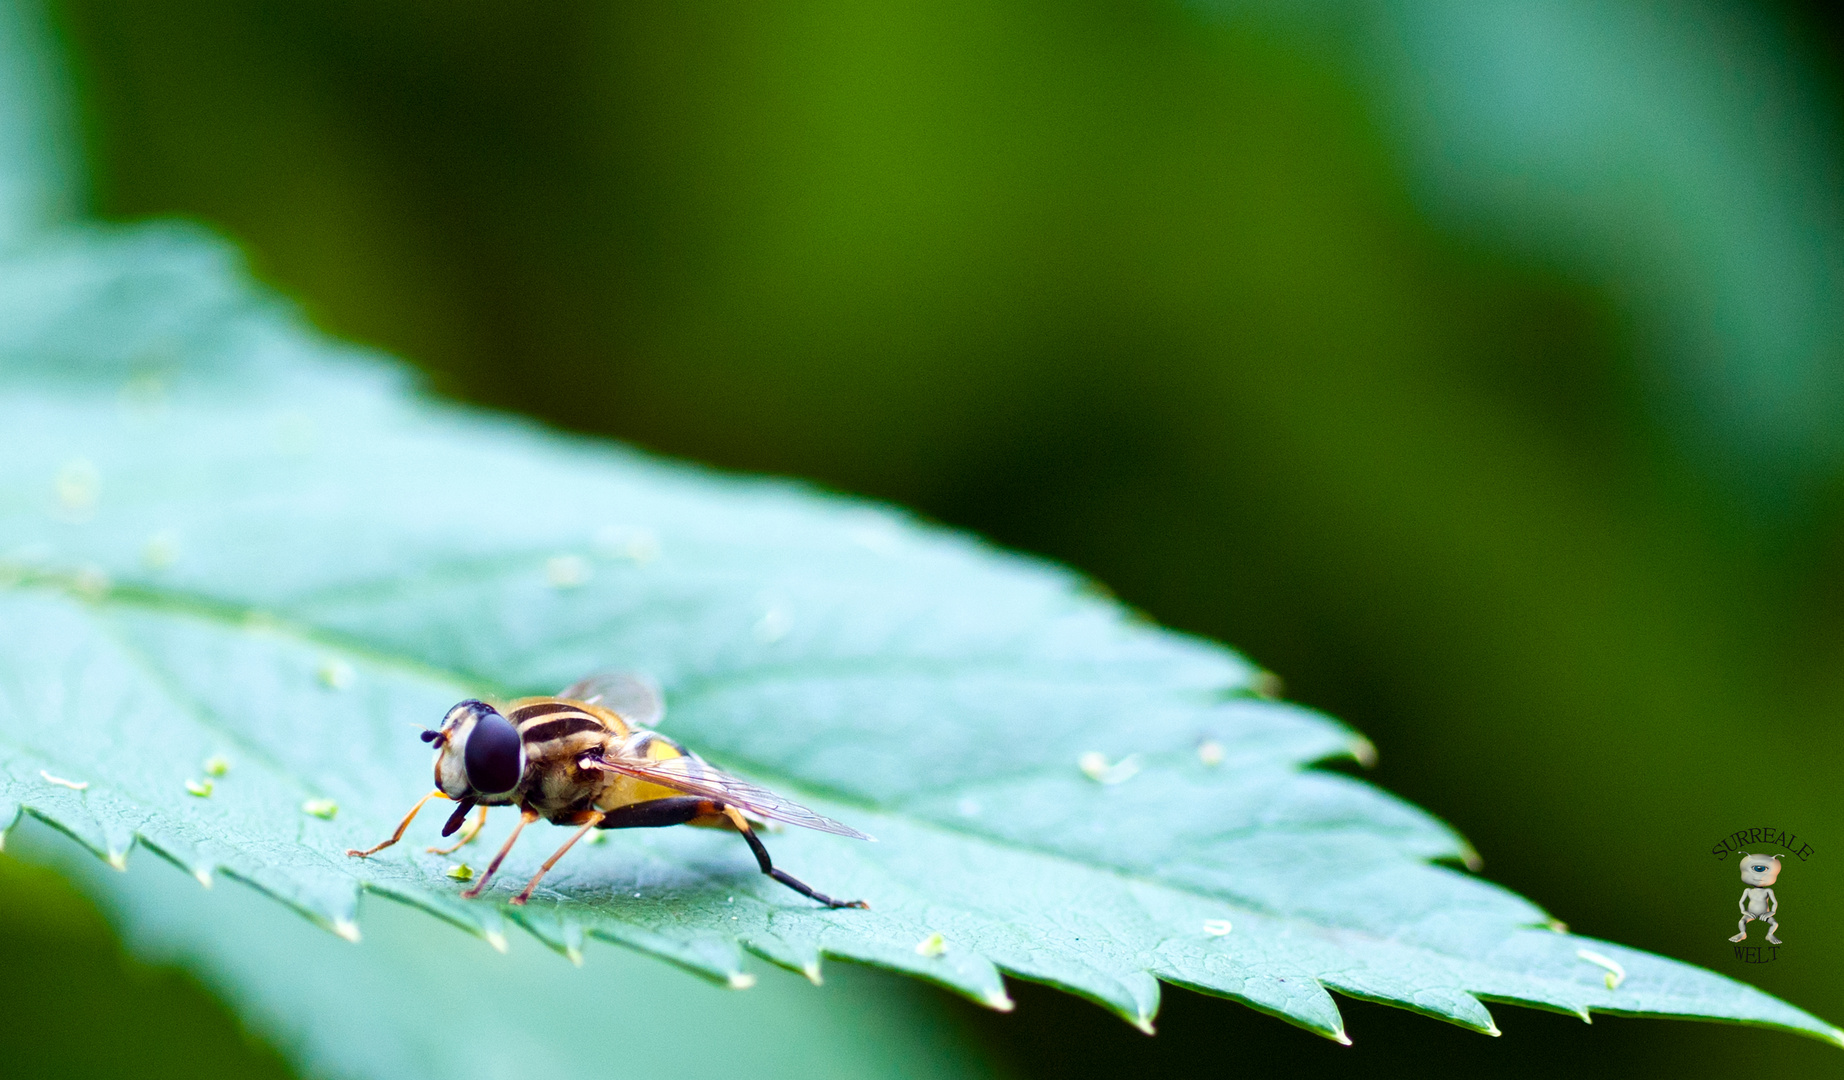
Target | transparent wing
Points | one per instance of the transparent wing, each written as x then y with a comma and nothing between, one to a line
695,776
633,696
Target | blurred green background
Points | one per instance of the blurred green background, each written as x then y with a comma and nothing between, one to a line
1476,365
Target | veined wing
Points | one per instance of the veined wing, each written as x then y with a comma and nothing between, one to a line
694,776
631,695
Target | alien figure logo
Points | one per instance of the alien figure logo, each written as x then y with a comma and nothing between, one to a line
1758,899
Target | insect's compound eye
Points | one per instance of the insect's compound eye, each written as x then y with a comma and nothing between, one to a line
495,755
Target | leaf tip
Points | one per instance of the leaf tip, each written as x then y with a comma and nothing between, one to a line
117,859
1586,1016
998,1001
1340,1037
1363,751
203,875
347,929
740,980
572,954
498,940
1145,1024
812,972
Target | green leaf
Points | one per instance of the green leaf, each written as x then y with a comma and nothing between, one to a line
417,1000
229,541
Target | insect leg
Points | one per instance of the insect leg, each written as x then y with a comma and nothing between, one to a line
401,826
785,878
467,835
590,820
526,817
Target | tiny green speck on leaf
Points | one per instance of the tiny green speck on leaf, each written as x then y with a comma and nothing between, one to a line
320,808
336,675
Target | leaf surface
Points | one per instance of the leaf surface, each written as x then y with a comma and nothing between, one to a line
227,540
418,1001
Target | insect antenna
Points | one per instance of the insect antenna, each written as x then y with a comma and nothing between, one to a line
434,737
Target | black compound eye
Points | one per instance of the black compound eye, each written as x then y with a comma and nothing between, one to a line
494,756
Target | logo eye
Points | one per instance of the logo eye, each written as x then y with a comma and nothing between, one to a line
495,756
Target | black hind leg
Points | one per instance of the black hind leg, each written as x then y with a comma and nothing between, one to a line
682,809
785,878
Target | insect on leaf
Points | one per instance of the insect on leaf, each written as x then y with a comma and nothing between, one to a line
229,539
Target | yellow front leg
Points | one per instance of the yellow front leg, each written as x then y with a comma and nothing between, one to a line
401,826
526,817
589,819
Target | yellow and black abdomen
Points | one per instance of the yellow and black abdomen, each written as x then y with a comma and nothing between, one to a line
629,791
621,790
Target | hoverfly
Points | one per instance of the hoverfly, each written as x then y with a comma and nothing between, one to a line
588,757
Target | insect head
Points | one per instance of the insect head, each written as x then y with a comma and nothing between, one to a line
479,753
